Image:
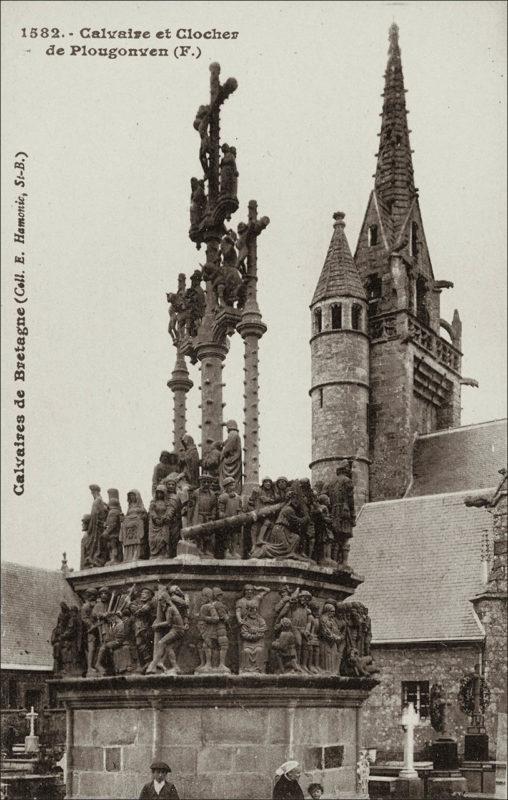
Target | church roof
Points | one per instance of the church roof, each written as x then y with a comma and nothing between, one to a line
421,559
339,276
31,600
459,458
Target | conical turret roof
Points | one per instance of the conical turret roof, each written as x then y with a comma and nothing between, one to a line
339,276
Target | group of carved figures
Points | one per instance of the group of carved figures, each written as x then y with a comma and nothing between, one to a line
142,630
227,274
178,496
280,520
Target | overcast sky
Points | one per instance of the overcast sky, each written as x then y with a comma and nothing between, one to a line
111,151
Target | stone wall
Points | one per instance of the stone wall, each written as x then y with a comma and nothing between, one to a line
220,743
445,664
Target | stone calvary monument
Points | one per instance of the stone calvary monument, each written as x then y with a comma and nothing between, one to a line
212,630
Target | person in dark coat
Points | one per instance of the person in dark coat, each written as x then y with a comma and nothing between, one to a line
287,786
159,788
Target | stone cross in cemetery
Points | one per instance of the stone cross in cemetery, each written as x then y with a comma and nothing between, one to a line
410,719
32,741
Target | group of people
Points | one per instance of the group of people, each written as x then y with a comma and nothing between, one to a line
286,784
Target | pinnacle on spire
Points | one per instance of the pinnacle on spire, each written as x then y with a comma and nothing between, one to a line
339,276
394,180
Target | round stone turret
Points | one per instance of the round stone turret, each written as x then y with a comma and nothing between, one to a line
340,367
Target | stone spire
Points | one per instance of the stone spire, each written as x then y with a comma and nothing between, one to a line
339,276
394,180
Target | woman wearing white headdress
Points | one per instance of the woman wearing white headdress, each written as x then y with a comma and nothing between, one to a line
287,786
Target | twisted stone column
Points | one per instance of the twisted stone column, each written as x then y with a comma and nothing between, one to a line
179,383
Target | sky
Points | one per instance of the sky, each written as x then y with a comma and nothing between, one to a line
111,150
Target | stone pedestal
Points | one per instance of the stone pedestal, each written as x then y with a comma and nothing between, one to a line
223,735
476,747
444,754
408,788
31,744
480,777
445,784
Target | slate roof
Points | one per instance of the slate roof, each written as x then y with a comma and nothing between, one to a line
459,458
31,600
421,559
339,276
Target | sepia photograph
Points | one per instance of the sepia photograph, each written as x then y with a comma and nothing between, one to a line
254,471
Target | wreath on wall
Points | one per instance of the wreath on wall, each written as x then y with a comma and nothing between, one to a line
466,694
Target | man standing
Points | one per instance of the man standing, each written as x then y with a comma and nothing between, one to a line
159,787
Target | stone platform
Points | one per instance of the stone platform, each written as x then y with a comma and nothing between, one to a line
223,735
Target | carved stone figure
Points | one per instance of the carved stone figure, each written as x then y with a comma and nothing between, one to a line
211,463
213,633
190,458
195,303
252,634
311,509
111,535
86,543
361,665
228,543
98,516
167,464
312,649
267,497
144,611
201,125
158,524
283,541
67,642
231,456
90,633
300,616
331,642
253,528
342,512
119,635
281,608
197,206
327,538
205,509
438,709
281,489
228,172
251,594
284,648
133,528
168,630
242,247
173,513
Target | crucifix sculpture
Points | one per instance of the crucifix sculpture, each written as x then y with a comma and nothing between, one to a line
410,719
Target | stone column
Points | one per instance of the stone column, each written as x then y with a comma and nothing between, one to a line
211,356
179,383
251,328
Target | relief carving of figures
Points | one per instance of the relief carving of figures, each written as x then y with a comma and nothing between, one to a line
98,514
252,635
201,125
86,543
300,616
229,543
197,206
284,648
212,626
332,641
191,461
134,528
312,649
228,172
158,524
342,512
251,594
205,509
111,535
231,456
168,631
144,611
284,539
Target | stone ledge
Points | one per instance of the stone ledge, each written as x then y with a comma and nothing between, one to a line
163,691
